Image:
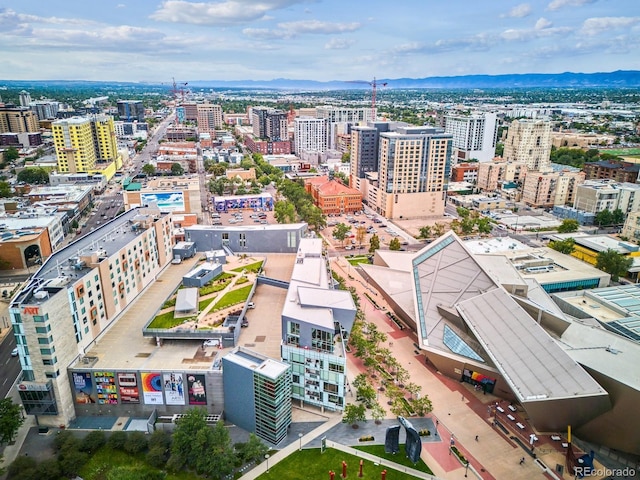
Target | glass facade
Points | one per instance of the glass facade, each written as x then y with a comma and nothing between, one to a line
273,407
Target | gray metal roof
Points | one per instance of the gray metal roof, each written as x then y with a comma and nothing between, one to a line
187,300
533,364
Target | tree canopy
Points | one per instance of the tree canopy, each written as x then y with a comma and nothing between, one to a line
613,263
10,420
568,225
33,175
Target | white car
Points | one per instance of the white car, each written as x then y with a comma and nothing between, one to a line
14,352
251,305
214,342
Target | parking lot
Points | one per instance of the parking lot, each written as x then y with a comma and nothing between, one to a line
242,217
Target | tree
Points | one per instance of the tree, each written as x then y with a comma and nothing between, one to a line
5,189
216,457
484,225
11,154
284,211
394,244
421,406
613,263
603,217
94,440
346,157
136,443
354,413
116,440
34,176
183,452
149,170
438,229
366,394
176,169
374,243
425,232
568,225
378,413
254,449
340,232
618,217
566,246
10,420
413,389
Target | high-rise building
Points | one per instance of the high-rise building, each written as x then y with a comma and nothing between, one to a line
209,118
130,110
309,135
74,297
17,120
340,120
257,392
82,143
269,124
529,141
364,152
491,175
73,141
413,169
474,136
45,110
25,98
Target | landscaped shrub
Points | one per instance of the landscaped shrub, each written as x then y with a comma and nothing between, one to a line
366,438
458,454
424,432
136,442
117,440
94,440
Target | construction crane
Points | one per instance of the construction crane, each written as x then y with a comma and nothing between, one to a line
374,86
179,91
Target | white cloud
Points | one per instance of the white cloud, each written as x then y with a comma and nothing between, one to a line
338,44
542,23
596,25
293,29
120,5
558,4
227,12
519,11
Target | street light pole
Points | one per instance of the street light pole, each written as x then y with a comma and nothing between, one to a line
267,459
466,469
300,437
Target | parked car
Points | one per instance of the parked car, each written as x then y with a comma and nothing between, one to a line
14,352
213,342
251,305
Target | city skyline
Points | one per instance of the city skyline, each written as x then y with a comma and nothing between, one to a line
318,40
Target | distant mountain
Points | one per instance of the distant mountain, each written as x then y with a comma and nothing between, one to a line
617,79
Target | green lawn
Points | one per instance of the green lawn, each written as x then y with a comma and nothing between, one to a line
400,457
309,463
165,320
107,459
357,260
252,267
621,151
233,297
205,303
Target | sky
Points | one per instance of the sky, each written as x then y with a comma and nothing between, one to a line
155,41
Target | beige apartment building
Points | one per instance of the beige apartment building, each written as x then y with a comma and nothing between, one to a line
580,140
18,120
491,175
209,118
413,163
529,141
546,189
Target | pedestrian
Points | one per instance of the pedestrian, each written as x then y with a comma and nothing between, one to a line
521,460
476,438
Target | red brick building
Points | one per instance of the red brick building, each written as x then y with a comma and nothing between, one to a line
331,196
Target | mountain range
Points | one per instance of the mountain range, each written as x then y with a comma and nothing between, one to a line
617,79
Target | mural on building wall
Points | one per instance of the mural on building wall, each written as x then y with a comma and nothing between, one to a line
152,388
166,201
83,388
197,393
106,388
129,392
222,204
173,389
